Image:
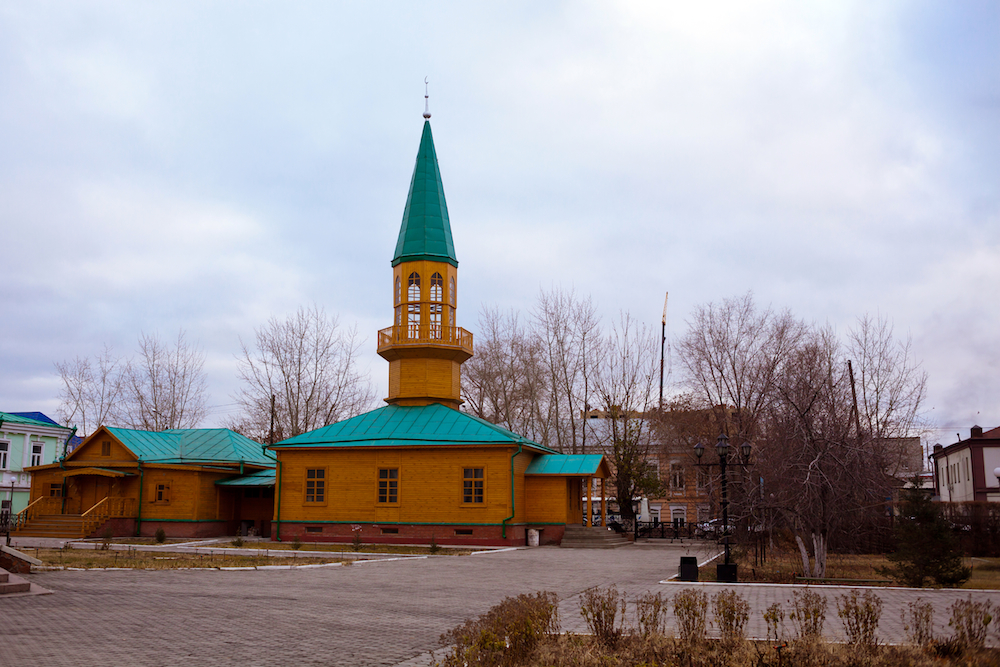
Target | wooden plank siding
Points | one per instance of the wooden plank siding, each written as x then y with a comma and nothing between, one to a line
430,485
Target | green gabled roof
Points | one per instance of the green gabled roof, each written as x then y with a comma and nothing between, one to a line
566,464
259,478
191,445
426,232
411,426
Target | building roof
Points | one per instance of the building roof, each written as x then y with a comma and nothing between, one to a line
192,445
425,233
566,465
29,419
259,478
411,426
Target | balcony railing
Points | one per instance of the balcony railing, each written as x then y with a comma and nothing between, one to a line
425,335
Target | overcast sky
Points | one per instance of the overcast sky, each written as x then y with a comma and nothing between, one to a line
204,166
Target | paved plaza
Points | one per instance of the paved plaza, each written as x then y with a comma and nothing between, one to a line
369,613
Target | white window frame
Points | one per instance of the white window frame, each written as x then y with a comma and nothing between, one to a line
41,452
5,455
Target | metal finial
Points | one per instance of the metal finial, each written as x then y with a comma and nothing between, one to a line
427,103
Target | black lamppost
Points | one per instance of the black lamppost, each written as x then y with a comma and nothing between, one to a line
725,571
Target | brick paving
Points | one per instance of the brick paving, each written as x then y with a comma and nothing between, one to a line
372,613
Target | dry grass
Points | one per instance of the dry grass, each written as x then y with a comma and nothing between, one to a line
579,651
158,560
344,548
784,567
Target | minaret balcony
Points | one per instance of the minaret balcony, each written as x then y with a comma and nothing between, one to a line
424,336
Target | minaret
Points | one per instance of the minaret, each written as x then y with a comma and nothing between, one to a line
424,347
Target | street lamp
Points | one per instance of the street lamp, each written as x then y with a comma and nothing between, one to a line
724,571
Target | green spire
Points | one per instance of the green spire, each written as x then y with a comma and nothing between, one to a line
426,231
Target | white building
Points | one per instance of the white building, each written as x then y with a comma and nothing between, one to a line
966,470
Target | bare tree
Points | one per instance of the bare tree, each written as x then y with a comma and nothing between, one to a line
91,389
309,365
624,387
163,387
731,354
569,333
505,381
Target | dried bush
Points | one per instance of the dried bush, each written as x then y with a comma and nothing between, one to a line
774,616
808,613
505,635
691,610
237,541
160,535
600,609
918,622
732,612
970,620
860,614
650,614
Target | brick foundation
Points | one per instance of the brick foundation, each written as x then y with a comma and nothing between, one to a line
188,529
443,534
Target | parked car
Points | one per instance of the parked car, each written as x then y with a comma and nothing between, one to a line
712,528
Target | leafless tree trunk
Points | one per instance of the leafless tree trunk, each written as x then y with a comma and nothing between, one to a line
624,386
91,390
310,366
163,387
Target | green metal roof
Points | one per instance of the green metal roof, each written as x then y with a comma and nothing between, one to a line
8,418
565,464
259,478
191,445
426,232
410,426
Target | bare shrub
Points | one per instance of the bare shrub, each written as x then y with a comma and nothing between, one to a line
860,614
774,616
918,622
505,635
600,609
691,610
970,621
650,614
732,612
809,614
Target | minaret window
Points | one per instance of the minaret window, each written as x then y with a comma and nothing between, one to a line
399,291
436,309
437,287
413,291
451,292
413,321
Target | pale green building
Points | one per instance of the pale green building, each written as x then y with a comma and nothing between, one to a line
26,441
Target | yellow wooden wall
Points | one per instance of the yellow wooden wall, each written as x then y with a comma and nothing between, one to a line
430,485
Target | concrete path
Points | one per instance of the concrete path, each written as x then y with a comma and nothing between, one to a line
370,613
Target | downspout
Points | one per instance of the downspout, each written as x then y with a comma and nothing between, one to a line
68,438
512,499
138,521
277,491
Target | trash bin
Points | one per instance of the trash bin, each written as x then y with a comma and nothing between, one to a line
688,570
533,537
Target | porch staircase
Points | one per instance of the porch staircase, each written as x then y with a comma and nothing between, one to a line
591,537
53,525
10,584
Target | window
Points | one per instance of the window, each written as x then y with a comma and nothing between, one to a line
702,480
413,291
398,292
55,490
473,485
390,531
314,529
463,531
437,287
413,320
388,485
677,479
4,451
161,492
436,320
36,453
315,485
106,448
451,292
